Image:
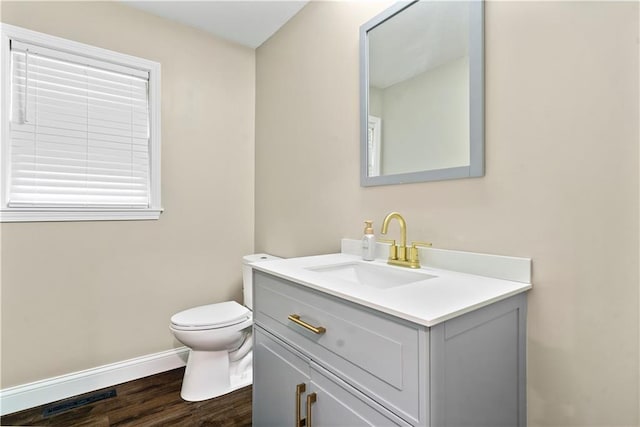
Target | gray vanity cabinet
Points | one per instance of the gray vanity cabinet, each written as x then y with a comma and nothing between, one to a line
370,368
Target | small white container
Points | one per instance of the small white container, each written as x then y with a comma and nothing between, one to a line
368,242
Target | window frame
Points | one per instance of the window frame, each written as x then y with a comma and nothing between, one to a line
28,214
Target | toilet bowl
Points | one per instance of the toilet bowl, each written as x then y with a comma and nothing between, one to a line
220,342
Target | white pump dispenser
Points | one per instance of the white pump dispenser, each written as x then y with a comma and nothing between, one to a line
368,242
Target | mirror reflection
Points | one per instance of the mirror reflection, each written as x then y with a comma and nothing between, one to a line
420,90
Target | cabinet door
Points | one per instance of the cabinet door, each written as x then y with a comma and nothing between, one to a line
338,404
276,373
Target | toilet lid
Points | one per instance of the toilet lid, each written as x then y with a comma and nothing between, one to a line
212,316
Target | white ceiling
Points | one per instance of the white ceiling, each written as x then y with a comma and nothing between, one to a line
249,23
420,38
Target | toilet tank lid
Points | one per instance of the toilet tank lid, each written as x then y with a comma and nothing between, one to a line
220,314
250,259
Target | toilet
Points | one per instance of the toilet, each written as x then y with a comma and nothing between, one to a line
220,342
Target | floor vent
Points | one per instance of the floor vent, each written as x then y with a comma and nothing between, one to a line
80,401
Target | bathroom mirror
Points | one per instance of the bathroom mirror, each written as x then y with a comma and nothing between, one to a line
422,93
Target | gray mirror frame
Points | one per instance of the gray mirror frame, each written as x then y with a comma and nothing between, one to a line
476,103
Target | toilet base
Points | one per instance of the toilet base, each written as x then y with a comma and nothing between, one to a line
209,374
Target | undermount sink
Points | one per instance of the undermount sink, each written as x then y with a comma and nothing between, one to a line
375,275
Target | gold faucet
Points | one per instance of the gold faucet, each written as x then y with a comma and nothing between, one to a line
402,255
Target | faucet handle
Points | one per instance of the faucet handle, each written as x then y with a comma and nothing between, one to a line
423,244
413,252
393,248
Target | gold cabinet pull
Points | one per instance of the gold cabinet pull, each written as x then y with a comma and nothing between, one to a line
300,388
295,318
311,398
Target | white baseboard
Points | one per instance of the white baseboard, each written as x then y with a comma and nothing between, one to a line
38,393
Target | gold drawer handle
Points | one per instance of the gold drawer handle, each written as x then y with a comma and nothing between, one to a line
295,318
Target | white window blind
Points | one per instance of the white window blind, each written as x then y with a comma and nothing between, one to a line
79,131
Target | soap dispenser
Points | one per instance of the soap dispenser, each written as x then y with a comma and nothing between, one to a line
368,242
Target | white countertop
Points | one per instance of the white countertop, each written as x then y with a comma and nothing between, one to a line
427,302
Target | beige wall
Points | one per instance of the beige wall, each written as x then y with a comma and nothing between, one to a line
435,101
561,182
78,295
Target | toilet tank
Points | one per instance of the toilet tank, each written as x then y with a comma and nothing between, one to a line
247,276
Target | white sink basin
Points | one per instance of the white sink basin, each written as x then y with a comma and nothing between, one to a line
375,275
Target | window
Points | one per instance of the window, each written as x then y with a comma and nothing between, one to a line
373,145
80,131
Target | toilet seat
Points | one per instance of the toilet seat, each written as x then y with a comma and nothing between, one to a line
211,316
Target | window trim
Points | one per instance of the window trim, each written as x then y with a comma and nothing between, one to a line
22,214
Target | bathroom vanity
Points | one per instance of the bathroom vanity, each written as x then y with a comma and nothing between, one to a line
343,342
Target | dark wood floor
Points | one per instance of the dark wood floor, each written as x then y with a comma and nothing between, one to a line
151,401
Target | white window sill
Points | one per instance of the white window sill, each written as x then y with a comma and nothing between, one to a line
46,215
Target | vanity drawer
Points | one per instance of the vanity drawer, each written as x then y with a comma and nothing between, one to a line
382,356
